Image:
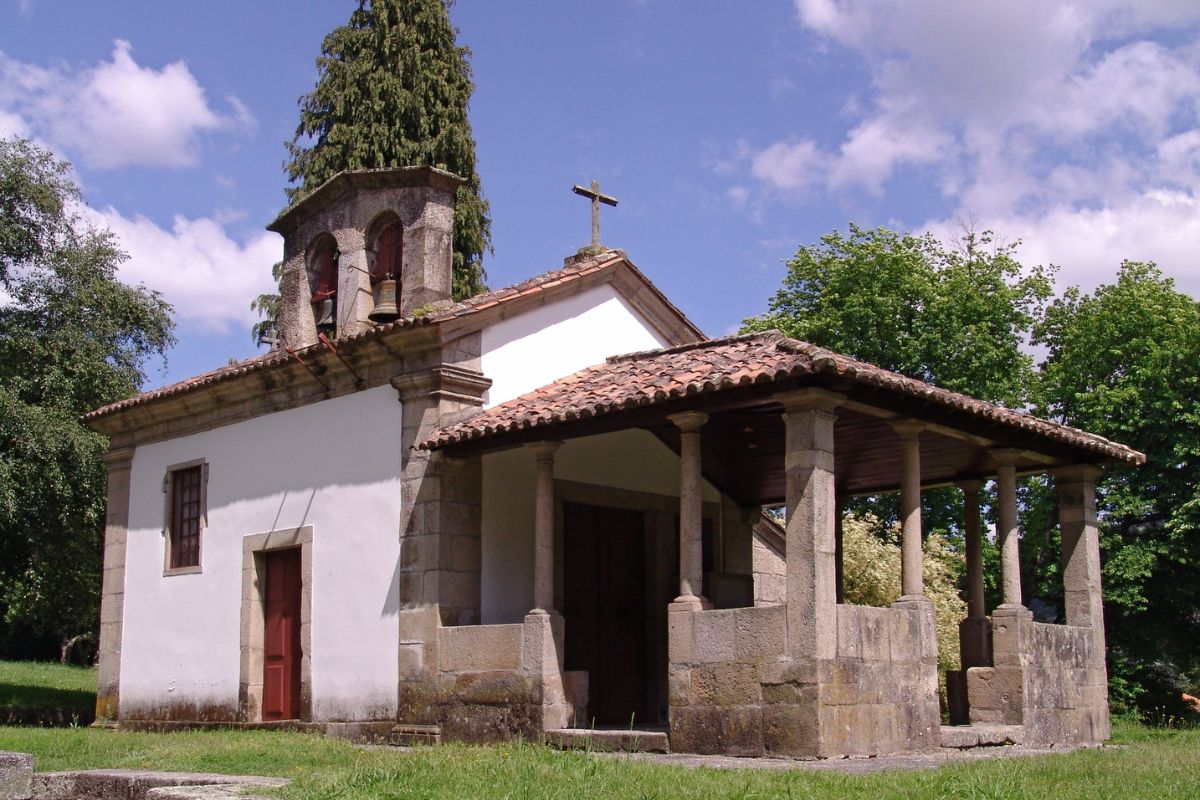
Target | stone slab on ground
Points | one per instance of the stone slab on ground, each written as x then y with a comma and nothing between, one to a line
850,766
608,741
967,736
124,784
16,776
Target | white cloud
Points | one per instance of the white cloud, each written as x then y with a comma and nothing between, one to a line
116,113
794,165
1073,126
1088,244
206,275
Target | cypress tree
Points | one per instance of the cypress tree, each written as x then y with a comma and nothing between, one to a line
392,90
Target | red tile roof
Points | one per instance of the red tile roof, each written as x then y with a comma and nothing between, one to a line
574,272
660,376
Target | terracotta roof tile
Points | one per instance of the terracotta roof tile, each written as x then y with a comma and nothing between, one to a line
658,376
568,274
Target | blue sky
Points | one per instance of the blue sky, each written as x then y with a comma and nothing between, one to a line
732,132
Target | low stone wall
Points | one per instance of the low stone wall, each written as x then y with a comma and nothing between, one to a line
718,663
880,695
1066,687
1051,679
484,694
486,683
734,689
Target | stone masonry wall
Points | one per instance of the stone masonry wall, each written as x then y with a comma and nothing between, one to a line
718,660
881,694
495,682
735,691
1049,678
1066,691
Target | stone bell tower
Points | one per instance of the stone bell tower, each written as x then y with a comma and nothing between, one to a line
355,232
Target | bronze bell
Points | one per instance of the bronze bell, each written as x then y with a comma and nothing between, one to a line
385,309
323,311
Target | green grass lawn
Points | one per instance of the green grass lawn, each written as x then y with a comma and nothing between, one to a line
38,684
1152,764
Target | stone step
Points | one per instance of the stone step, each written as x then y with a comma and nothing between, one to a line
609,741
407,735
962,737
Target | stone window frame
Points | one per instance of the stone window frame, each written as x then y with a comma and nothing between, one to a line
250,680
168,492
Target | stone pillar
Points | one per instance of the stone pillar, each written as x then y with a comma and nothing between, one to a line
1007,536
839,555
426,269
691,553
354,301
440,521
912,569
118,462
811,507
543,528
1082,590
974,632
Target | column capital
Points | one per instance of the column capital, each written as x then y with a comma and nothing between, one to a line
544,450
811,399
908,428
1005,456
116,458
971,486
688,421
1077,473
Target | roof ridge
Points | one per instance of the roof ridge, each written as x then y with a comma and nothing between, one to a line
623,358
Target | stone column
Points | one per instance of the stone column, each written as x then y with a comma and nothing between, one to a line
1082,591
354,301
440,521
691,553
119,462
974,632
1080,548
543,529
839,554
544,627
810,549
912,569
1007,536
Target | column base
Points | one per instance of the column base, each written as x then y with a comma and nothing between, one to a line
1011,610
690,603
912,601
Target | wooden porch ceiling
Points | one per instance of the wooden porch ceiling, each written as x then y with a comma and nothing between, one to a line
742,443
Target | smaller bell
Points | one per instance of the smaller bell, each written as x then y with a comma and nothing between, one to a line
323,312
385,309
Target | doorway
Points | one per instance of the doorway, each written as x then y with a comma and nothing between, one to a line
604,609
281,634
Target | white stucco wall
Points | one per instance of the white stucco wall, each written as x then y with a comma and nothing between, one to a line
328,465
633,459
524,352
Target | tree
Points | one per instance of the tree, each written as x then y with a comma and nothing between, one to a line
393,90
951,317
954,318
72,338
1124,362
871,570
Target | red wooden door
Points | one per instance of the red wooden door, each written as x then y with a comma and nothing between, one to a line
281,635
604,608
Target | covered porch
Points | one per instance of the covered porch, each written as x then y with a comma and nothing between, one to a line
757,657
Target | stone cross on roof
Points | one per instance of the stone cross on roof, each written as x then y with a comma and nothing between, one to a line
597,198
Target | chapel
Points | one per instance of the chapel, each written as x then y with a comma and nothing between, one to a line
539,512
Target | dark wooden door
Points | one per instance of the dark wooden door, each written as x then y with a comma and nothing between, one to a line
604,607
281,635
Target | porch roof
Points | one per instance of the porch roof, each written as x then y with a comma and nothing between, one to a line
736,379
